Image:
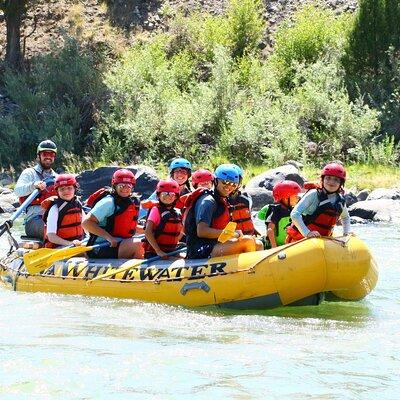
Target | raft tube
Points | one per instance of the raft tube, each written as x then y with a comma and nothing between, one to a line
297,273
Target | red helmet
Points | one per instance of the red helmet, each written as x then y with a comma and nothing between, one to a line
285,189
123,176
167,186
334,169
65,180
202,175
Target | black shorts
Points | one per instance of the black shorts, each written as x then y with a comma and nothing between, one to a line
104,252
200,251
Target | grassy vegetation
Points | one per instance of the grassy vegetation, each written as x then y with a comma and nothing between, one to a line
204,90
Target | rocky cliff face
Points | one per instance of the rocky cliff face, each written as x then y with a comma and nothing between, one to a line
49,19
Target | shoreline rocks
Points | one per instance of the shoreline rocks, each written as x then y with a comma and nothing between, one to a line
379,205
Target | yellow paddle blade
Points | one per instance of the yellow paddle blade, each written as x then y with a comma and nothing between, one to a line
228,232
41,259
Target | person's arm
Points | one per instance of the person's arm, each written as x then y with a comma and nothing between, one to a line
27,183
309,203
345,220
100,212
204,212
149,233
91,225
271,234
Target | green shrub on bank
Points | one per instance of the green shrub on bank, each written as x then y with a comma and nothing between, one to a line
313,33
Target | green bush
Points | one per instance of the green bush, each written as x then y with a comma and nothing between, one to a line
245,26
54,99
313,33
341,128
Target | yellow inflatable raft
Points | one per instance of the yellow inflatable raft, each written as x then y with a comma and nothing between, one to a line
298,273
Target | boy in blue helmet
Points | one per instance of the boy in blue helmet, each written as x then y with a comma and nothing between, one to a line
208,216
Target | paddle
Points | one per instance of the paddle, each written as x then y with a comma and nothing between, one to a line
41,259
8,224
228,232
140,262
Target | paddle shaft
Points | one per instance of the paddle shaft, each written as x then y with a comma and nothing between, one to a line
141,262
19,211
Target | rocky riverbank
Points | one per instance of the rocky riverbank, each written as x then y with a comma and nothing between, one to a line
379,205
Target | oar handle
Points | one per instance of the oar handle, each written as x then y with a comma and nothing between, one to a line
24,205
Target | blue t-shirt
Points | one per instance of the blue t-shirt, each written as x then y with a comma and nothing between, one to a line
204,209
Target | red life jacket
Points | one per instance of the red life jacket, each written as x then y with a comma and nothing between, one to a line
220,217
122,223
167,231
239,208
323,220
69,224
43,194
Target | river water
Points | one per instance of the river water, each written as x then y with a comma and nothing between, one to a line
72,347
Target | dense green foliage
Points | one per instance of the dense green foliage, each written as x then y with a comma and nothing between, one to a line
372,60
205,91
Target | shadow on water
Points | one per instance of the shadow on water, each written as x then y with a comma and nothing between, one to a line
338,311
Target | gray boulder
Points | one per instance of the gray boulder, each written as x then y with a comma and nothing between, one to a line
92,180
268,179
260,197
350,198
8,201
363,195
6,207
5,179
377,194
386,210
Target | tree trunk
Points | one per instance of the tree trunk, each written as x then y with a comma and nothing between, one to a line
14,11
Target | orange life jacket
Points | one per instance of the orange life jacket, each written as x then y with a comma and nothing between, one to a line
43,194
322,220
69,224
167,231
123,222
239,208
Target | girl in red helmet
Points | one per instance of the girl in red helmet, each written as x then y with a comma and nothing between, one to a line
114,218
277,215
164,222
63,214
319,210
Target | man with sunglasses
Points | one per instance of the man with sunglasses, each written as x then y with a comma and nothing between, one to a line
208,217
41,177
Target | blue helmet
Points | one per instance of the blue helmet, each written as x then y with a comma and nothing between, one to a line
180,163
238,169
227,172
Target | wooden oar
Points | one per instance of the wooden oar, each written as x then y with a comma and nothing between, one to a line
135,264
41,259
8,224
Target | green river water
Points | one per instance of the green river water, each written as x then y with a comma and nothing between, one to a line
72,347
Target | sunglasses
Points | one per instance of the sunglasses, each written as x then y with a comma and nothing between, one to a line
228,183
48,154
167,194
124,185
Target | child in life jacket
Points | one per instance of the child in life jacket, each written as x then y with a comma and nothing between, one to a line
277,215
319,210
113,218
164,222
63,214
203,178
180,171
